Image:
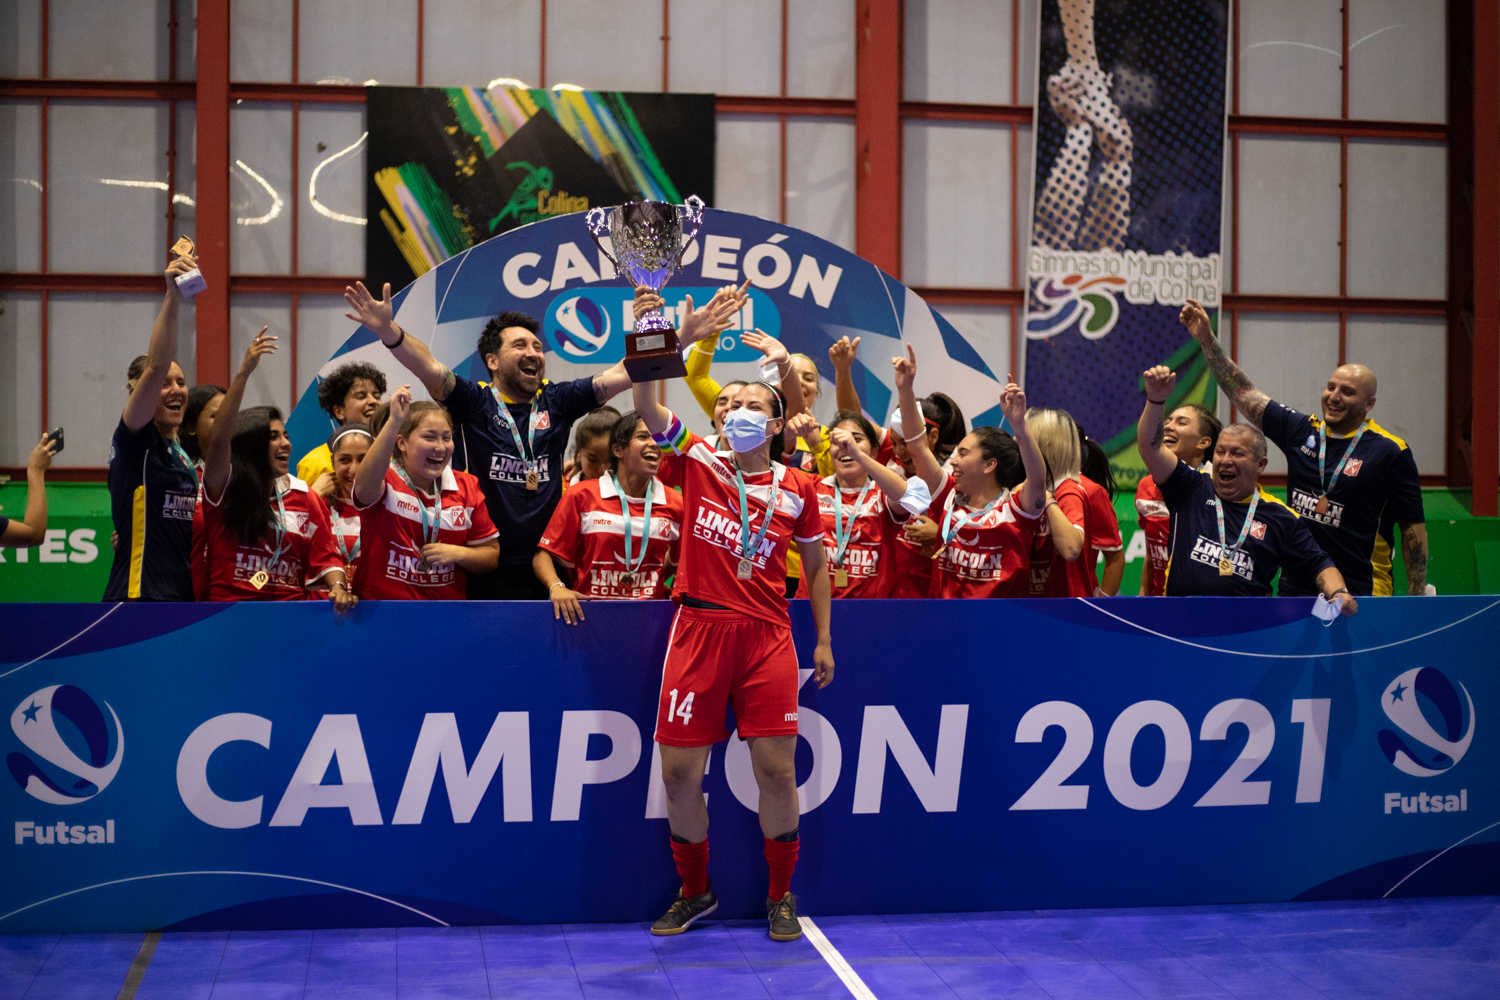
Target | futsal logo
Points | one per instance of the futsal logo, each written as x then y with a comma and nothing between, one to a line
579,328
74,750
1434,723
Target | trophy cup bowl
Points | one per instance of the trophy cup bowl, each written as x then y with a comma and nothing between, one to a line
647,237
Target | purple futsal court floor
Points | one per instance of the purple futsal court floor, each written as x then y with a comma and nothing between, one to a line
1399,948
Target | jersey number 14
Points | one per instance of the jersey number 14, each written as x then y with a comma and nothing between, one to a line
683,711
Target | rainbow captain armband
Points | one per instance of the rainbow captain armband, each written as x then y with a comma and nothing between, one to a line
675,438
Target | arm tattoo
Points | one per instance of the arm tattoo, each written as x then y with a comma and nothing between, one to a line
1414,554
449,381
1156,439
1236,383
599,390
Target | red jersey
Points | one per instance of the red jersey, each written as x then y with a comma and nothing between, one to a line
587,533
989,556
1151,515
1104,526
871,540
712,526
306,554
344,518
391,535
1051,574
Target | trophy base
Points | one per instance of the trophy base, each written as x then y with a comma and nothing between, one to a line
655,366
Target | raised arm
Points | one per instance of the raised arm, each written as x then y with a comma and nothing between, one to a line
1159,459
890,482
842,355
1013,405
1237,385
656,416
923,461
33,530
376,315
776,353
369,481
141,406
216,460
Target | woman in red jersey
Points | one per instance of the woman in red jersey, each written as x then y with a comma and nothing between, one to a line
731,641
595,533
266,535
423,527
1062,563
1104,525
347,447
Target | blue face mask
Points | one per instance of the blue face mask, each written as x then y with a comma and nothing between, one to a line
745,430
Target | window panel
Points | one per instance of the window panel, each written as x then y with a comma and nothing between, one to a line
378,41
1288,357
92,338
820,179
726,46
747,166
613,46
20,376
468,43
121,40
1290,51
260,175
321,329
1398,56
21,194
1398,219
21,38
820,48
187,39
1410,357
271,383
956,225
108,200
330,229
260,41
958,50
1031,12
1289,216
1024,170
186,194
987,328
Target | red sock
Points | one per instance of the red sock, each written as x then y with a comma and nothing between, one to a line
781,859
692,865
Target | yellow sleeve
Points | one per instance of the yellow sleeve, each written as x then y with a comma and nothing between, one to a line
821,456
314,464
705,389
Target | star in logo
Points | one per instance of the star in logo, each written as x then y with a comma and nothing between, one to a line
30,713
1396,693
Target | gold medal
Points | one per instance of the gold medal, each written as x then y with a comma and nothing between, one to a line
745,569
183,247
260,579
840,577
627,580
532,481
1322,505
1226,568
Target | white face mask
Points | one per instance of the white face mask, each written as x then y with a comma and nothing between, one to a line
745,430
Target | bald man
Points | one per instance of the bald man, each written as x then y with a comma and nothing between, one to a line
1348,477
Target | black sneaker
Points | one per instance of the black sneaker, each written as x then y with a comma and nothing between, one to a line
782,915
685,910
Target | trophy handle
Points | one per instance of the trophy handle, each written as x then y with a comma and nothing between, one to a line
692,211
597,221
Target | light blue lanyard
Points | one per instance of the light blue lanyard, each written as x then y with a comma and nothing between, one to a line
280,529
1323,449
747,550
633,564
338,539
429,530
181,452
1224,549
842,533
950,527
510,421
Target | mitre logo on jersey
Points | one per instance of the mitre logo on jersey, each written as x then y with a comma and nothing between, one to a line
1433,723
1352,467
72,750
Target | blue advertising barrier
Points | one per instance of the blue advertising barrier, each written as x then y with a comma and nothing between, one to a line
261,765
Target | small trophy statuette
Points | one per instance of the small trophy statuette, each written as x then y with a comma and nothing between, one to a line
189,283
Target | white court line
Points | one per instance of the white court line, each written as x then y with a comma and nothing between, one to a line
841,968
60,645
1429,860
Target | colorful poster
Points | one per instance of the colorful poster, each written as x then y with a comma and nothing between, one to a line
450,167
1127,208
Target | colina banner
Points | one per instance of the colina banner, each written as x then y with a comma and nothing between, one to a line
1127,208
169,768
804,290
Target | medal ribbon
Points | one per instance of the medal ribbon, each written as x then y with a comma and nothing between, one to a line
950,527
842,533
633,565
747,550
429,531
1323,450
280,525
531,462
181,452
1224,549
338,539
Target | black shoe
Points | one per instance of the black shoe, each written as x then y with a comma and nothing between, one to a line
782,915
685,910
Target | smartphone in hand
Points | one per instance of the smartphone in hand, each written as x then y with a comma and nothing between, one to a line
56,437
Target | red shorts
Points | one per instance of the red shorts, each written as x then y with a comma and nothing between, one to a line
719,658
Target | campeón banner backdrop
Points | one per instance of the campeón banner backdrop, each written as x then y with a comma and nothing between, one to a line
805,291
262,765
1127,207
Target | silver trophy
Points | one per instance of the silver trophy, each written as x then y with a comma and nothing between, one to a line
648,239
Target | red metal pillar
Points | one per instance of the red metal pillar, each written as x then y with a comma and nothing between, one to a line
877,133
213,190
1486,366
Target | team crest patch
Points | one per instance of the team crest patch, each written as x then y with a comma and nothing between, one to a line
1258,530
543,420
1352,467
